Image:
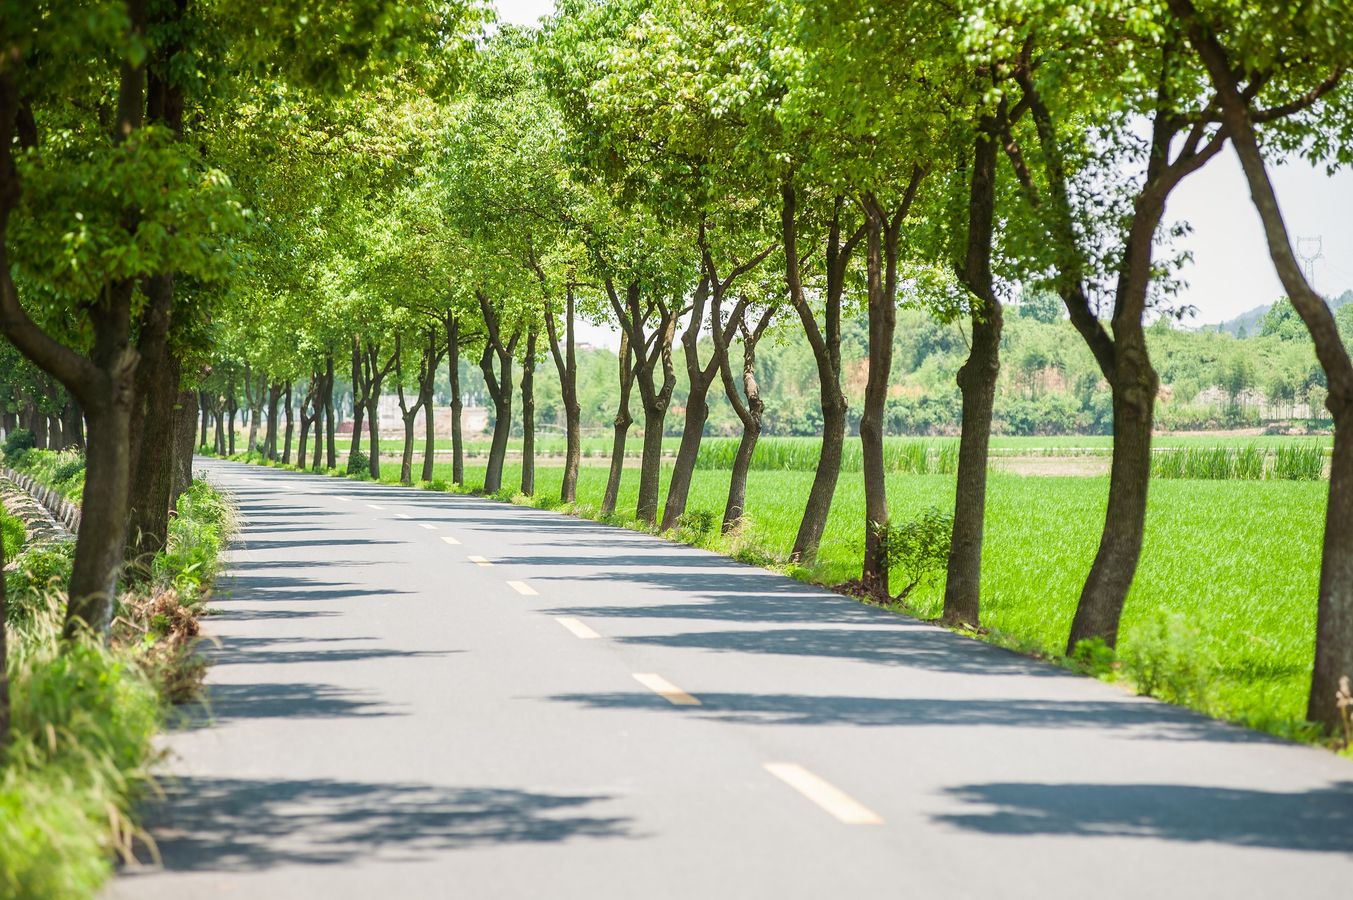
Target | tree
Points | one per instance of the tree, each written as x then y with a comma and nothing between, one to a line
1248,76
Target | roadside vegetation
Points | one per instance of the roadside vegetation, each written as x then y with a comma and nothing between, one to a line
84,708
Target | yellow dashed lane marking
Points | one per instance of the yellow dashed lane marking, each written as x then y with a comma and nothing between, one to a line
522,588
665,689
578,628
825,794
450,540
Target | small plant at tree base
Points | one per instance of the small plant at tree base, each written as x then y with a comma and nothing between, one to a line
1093,657
358,463
917,550
1163,657
694,526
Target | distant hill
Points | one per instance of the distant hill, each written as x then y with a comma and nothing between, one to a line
1249,322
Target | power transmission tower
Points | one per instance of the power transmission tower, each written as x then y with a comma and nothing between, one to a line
1309,249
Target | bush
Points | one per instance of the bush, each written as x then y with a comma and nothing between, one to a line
82,722
1163,657
358,463
12,534
197,534
919,549
695,525
41,572
17,442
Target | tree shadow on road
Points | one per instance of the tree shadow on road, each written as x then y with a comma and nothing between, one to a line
238,825
1153,721
295,700
1319,820
926,648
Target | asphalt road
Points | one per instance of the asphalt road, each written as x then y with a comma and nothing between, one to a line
422,695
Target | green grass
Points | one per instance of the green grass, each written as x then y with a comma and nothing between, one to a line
12,534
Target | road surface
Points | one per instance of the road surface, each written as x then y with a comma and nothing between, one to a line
423,695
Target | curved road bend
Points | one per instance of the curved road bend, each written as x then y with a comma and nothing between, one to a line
423,695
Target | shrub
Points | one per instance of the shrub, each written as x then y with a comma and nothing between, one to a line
17,442
1163,658
197,535
358,463
695,525
40,571
917,550
12,534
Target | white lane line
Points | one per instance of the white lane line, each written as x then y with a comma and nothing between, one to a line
522,588
427,526
825,794
374,506
450,540
479,560
578,628
665,689
402,516
344,499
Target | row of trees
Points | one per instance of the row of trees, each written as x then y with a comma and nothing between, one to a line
690,173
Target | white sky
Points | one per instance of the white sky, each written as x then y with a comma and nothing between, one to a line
1231,271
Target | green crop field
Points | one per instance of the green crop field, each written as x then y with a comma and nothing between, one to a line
1235,560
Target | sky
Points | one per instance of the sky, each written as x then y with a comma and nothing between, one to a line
1230,271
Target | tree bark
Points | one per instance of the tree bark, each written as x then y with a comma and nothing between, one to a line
528,415
185,431
359,389
977,385
270,432
426,388
457,403
500,390
330,431
289,431
826,345
566,363
205,408
699,377
749,412
622,423
152,485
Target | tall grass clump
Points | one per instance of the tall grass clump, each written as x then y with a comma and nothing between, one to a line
1241,463
1298,462
788,454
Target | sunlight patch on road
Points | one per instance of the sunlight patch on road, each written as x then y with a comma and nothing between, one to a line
578,628
665,689
825,794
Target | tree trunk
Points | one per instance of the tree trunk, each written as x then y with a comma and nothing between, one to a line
218,412
457,403
882,314
977,385
270,433
697,409
566,363
305,426
152,475
501,393
826,345
205,408
749,412
186,431
253,399
330,431
622,423
406,455
426,388
103,525
289,414
528,416
359,389
1106,588
39,430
